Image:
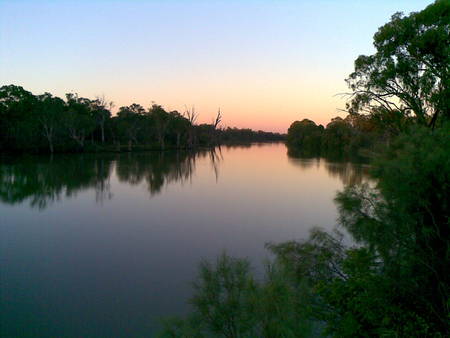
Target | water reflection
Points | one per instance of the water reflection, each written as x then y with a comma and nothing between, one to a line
349,173
156,169
87,271
43,180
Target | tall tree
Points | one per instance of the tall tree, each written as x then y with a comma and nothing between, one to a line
102,112
50,112
79,119
130,122
410,70
17,122
162,120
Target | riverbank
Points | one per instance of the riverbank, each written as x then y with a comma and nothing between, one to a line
122,148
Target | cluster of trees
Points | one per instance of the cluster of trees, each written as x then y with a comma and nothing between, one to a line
354,136
236,135
45,123
394,280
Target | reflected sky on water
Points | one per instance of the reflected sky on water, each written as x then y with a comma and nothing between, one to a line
104,245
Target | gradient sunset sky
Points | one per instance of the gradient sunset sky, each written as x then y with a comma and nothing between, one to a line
264,63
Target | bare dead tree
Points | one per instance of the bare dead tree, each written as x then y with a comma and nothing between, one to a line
215,123
191,115
218,119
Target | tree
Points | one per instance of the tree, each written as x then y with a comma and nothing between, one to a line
162,120
405,222
409,73
17,121
229,302
179,125
129,122
306,136
214,134
191,115
79,119
50,114
394,280
337,136
102,112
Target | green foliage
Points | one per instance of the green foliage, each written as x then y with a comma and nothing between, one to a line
305,136
17,122
395,282
191,327
409,73
229,302
405,222
342,138
281,308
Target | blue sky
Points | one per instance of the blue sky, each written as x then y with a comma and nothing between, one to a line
264,63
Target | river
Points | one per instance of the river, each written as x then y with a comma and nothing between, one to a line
101,245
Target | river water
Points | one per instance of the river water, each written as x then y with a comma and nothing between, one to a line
105,245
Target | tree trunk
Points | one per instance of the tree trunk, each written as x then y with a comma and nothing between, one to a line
102,128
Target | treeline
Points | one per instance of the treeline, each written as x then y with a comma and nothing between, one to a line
357,136
236,135
394,280
349,137
45,123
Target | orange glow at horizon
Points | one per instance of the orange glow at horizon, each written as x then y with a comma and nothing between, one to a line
265,64
259,105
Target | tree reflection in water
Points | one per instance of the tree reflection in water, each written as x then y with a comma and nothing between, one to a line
349,172
42,180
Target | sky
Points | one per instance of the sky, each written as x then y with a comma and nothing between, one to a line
265,64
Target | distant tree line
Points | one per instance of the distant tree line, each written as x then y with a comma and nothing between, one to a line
236,135
356,136
46,123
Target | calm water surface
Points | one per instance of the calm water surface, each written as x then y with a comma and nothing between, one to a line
104,245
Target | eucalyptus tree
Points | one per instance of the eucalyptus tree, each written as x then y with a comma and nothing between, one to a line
102,113
79,119
162,121
50,113
409,72
17,122
305,135
129,122
180,126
